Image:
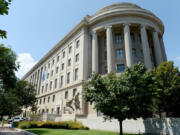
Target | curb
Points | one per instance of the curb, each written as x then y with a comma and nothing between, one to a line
25,132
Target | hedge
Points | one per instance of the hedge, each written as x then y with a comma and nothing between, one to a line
51,124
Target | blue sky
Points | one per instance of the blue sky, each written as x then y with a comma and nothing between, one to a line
35,26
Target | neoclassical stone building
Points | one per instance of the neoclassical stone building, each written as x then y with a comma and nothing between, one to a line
114,38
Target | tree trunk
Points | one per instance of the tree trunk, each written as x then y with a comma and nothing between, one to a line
120,127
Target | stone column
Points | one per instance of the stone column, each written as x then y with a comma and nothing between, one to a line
128,45
94,52
157,48
145,46
109,42
163,49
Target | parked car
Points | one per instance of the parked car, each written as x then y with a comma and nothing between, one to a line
16,119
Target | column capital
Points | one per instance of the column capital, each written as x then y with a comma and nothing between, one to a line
92,32
108,27
126,24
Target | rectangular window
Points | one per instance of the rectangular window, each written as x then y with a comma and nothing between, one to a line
52,73
46,87
50,86
64,53
47,75
58,110
105,69
120,54
42,89
118,38
74,92
69,62
52,110
49,65
55,84
62,66
57,69
120,68
44,100
40,101
52,62
70,49
105,55
132,37
77,57
48,99
66,95
134,52
53,98
76,73
57,58
77,44
61,81
68,77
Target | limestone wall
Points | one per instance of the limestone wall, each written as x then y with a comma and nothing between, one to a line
165,126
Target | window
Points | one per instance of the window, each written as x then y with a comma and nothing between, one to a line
44,100
52,62
105,42
70,49
47,110
64,53
40,101
55,84
57,69
134,52
66,95
118,38
62,66
120,68
52,73
50,86
69,62
61,81
52,110
46,87
68,77
49,65
47,75
76,73
105,55
77,44
74,92
58,110
42,89
48,99
57,58
77,57
120,53
53,98
132,37
105,69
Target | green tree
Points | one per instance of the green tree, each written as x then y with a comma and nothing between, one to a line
128,96
168,88
4,7
14,94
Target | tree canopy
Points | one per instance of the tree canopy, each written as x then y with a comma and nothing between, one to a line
168,89
130,95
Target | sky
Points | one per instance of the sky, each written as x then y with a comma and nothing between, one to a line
35,26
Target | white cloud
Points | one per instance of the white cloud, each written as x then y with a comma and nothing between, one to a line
26,62
178,58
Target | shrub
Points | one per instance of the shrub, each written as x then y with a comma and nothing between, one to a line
49,124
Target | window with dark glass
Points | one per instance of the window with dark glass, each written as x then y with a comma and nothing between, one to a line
66,95
48,99
105,69
50,86
77,44
64,53
105,55
76,73
77,57
44,100
61,80
68,77
74,92
118,38
57,58
132,37
55,84
52,73
69,62
40,101
42,89
120,68
53,98
62,66
46,87
57,69
134,52
120,53
70,49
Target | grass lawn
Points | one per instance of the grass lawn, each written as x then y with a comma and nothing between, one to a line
46,131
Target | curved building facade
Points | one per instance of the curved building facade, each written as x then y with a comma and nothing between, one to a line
114,38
